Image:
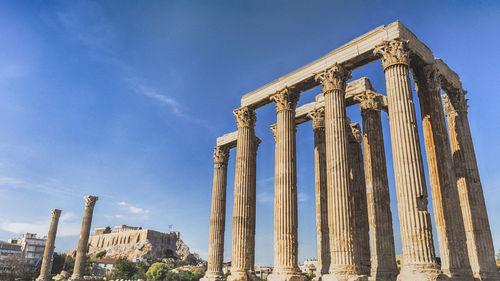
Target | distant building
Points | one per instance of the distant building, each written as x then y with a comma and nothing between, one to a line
8,248
309,266
32,247
263,271
103,266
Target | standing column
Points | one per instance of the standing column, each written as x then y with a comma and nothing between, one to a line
449,222
419,258
285,189
340,209
217,216
244,192
358,189
253,194
81,251
45,270
383,257
323,242
477,227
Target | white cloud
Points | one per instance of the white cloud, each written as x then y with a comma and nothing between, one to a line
69,225
265,197
132,209
302,197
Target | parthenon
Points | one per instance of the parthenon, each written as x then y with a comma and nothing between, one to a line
354,222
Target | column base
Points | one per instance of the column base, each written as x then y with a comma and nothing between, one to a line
286,276
489,276
383,276
209,276
238,276
344,277
424,273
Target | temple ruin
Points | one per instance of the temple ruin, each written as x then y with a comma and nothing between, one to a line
353,215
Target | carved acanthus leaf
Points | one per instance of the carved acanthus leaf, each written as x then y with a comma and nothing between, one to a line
455,103
318,118
356,132
245,117
334,78
369,100
286,99
393,52
427,79
90,200
221,155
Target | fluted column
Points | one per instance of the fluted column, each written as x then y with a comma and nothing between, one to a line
217,216
383,257
478,234
244,192
449,223
358,189
81,251
46,268
251,240
419,258
323,242
340,207
285,189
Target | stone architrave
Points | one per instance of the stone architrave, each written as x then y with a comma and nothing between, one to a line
419,258
244,196
340,206
285,189
449,223
217,216
358,190
383,256
81,251
323,243
477,227
46,268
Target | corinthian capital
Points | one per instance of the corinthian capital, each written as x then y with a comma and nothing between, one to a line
318,118
369,100
90,200
245,117
273,129
455,103
286,99
334,78
221,155
55,213
393,52
355,133
426,78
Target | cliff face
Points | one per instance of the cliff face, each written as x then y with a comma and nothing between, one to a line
144,243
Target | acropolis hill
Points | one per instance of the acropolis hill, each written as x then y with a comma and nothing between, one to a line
134,242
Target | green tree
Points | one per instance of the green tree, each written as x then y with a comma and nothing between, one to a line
123,269
100,255
157,272
58,263
141,269
498,256
15,266
70,264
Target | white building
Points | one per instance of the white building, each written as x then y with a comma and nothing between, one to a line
7,248
32,247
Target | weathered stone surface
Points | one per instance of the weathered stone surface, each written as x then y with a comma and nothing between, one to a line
46,268
81,251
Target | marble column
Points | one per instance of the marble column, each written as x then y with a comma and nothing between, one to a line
383,256
419,258
46,268
323,242
81,251
358,189
478,234
285,189
217,216
244,194
251,240
449,223
340,207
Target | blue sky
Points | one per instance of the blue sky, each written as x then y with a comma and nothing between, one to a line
124,100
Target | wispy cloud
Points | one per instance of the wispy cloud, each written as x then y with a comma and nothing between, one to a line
69,225
48,186
265,197
302,197
132,209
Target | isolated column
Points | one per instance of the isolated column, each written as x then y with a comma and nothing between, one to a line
358,189
340,209
419,258
449,222
244,190
285,189
46,268
383,256
323,242
477,227
217,215
81,251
